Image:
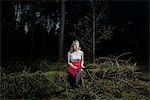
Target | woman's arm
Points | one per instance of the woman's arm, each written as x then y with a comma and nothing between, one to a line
70,62
82,61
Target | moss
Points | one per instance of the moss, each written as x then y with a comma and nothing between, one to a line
100,82
129,95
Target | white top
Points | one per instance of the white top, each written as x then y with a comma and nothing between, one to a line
76,56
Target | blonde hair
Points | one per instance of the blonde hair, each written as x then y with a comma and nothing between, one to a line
73,43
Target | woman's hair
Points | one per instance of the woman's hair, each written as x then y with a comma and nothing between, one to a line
72,48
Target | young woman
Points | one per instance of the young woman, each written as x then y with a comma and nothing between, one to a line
75,61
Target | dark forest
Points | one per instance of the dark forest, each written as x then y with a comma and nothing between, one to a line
36,36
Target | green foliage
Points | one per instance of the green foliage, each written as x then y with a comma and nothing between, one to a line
102,80
38,84
13,67
36,65
129,95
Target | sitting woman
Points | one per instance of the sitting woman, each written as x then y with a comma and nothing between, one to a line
75,61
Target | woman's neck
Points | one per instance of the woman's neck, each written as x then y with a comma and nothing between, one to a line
77,51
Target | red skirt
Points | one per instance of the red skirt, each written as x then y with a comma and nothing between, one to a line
74,71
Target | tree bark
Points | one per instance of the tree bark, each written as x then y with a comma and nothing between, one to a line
61,36
93,8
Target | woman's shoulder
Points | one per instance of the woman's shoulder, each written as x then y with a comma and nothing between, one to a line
80,51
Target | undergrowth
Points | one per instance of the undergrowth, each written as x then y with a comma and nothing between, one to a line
108,78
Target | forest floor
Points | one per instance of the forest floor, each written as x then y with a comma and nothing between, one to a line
107,78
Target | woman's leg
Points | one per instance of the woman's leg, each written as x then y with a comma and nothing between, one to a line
71,80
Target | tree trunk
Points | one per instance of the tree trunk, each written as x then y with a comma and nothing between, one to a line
32,42
61,36
93,8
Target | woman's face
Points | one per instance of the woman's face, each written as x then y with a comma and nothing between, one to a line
76,46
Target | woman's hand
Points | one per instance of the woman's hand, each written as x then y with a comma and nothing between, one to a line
82,66
75,67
